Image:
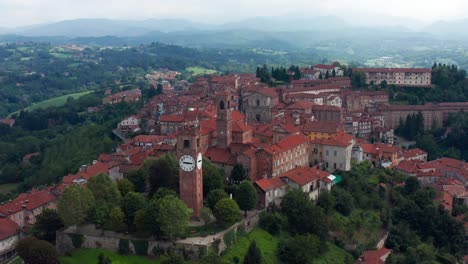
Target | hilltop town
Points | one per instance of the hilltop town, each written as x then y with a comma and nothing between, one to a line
308,134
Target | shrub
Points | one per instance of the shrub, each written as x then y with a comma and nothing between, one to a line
77,240
141,247
272,222
124,247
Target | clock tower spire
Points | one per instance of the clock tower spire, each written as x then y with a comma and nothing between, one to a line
190,167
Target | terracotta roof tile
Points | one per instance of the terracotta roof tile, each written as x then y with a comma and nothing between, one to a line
30,201
8,228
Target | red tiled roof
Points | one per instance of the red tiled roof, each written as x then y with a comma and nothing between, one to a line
207,126
148,139
301,175
241,127
221,156
301,105
237,116
408,166
322,127
30,155
8,228
171,118
93,170
373,256
8,121
30,201
267,184
270,92
286,143
324,66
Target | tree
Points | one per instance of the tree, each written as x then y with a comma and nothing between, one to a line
272,222
159,89
206,215
76,204
383,84
344,201
327,201
212,177
137,177
254,255
301,249
104,189
214,196
226,211
358,79
125,186
238,174
103,259
246,196
303,215
47,223
34,251
131,203
162,172
162,192
101,213
116,219
139,220
172,216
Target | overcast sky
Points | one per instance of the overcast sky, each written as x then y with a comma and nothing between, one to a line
27,12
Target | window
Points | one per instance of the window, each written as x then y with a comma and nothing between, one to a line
186,144
326,152
334,166
334,153
221,105
257,117
258,102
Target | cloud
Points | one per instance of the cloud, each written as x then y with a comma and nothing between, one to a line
26,12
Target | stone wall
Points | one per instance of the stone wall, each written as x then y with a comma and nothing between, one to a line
192,248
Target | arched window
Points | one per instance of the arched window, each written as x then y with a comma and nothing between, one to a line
221,105
258,102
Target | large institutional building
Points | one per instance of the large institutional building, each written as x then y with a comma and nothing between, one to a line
418,77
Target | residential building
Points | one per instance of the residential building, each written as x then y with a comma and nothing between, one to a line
309,180
24,209
10,234
125,96
333,154
319,129
285,155
398,76
329,70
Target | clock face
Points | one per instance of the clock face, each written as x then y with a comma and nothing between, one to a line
199,161
187,163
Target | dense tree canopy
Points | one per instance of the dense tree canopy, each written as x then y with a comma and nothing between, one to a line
76,204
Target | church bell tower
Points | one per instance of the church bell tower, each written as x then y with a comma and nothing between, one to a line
224,120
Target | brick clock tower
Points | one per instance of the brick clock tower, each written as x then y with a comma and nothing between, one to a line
224,120
190,167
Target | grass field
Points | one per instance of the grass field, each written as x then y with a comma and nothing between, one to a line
82,256
334,255
266,242
56,101
200,70
6,188
60,55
